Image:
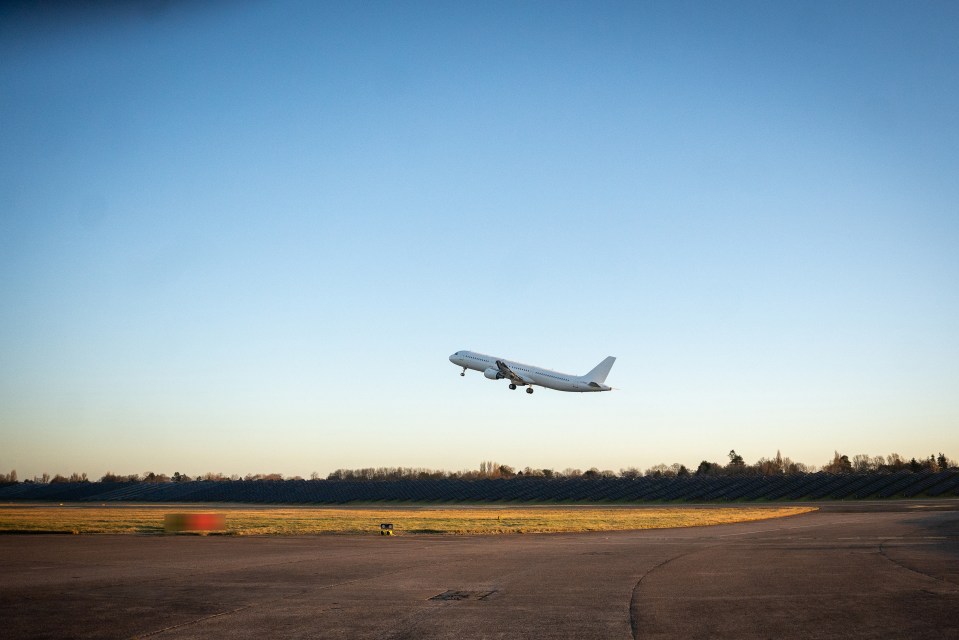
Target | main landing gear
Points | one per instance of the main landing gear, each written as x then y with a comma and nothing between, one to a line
529,389
512,386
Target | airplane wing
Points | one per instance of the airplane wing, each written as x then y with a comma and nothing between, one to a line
509,373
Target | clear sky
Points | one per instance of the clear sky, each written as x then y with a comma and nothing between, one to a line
244,237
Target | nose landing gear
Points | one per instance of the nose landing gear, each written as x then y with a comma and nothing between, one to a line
463,373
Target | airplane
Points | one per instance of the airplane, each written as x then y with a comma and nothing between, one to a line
520,375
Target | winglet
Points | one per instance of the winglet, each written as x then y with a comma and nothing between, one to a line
600,371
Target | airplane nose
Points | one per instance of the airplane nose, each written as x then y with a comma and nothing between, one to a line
451,358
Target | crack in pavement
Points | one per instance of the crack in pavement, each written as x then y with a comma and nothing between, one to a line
952,587
634,598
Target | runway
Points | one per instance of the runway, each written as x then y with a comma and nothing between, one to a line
856,570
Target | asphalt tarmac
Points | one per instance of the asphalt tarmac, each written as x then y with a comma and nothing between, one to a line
856,570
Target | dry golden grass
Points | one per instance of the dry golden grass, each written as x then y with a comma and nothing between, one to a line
249,520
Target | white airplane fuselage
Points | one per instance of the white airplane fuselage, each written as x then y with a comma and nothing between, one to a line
520,374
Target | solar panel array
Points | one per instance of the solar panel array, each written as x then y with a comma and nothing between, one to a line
817,486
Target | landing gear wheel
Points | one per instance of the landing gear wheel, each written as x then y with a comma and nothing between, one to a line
512,386
463,374
529,390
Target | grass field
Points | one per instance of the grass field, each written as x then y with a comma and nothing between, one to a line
459,520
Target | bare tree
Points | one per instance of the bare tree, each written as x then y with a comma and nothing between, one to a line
896,462
794,468
840,464
659,471
862,463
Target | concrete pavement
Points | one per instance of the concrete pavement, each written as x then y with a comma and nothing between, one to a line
865,570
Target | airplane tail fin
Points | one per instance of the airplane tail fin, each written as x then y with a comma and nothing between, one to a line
600,371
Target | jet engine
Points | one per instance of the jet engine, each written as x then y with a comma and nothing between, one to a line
493,373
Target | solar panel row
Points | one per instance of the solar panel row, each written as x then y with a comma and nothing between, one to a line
816,486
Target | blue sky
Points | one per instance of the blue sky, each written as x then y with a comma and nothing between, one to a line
244,237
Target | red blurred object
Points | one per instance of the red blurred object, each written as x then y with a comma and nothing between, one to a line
174,522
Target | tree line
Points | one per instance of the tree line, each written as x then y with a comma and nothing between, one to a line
736,466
